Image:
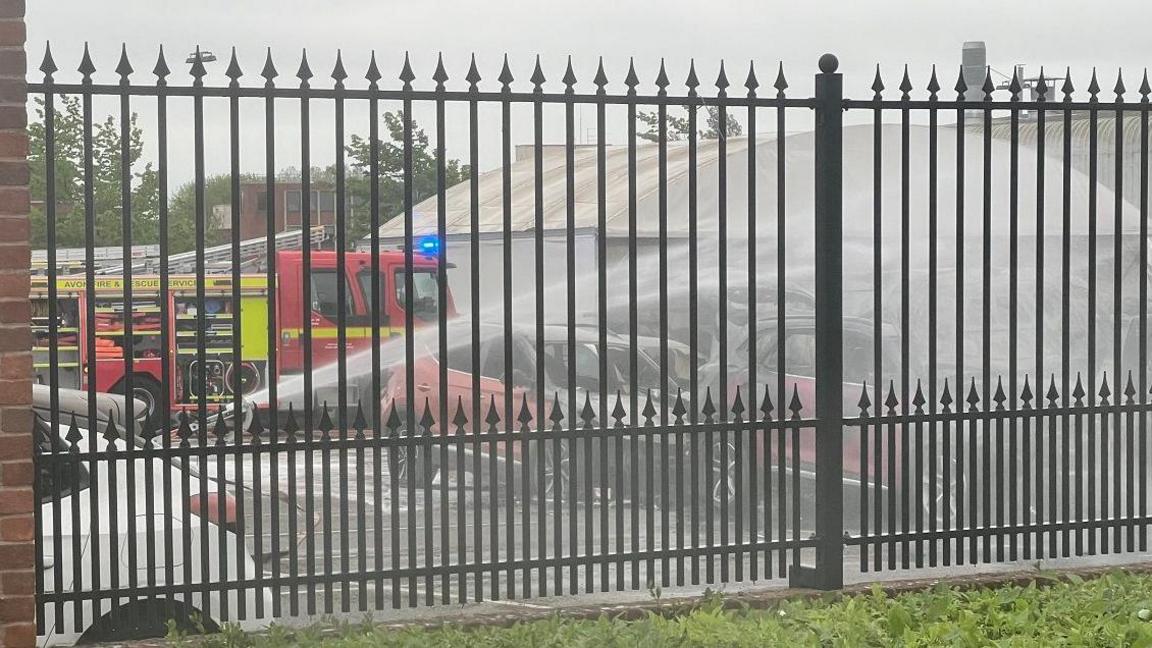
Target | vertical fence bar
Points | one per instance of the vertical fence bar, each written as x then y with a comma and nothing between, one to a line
828,572
1117,295
633,319
907,473
986,448
1041,311
1014,459
781,324
273,367
305,210
1093,178
89,355
662,278
237,350
1143,322
201,378
128,382
477,426
338,75
693,324
376,304
884,452
49,111
509,397
570,310
960,475
933,268
415,469
165,419
602,309
722,315
541,398
1066,315
440,76
754,435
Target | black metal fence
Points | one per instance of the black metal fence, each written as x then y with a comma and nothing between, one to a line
596,367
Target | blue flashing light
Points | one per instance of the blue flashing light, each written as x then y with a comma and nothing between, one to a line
429,245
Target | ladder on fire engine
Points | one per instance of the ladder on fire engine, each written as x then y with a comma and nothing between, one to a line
253,254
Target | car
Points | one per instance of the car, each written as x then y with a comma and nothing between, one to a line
72,495
488,390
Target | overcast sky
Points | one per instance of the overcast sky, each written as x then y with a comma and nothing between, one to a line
1054,33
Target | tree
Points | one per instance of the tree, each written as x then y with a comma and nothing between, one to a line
107,163
357,182
678,126
391,155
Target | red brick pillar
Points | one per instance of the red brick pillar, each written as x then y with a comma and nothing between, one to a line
17,589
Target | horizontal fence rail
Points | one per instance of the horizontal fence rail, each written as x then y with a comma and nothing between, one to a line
668,338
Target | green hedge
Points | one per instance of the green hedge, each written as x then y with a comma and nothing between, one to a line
1114,610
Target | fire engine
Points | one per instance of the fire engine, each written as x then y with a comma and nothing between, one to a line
81,364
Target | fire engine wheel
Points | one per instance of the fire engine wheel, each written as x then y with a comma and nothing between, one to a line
556,471
411,462
147,391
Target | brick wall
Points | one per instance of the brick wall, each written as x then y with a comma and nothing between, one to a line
17,609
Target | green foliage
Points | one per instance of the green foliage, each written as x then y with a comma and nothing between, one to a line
1110,611
145,199
106,179
678,127
391,160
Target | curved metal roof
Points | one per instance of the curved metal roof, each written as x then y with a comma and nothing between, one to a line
798,200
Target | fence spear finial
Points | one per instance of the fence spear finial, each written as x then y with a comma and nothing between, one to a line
1067,88
197,70
905,85
234,72
989,87
47,65
692,82
722,81
1145,89
505,77
1053,394
461,418
630,79
537,77
877,84
86,67
406,74
781,83
1014,86
269,72
338,72
124,67
1119,89
751,83
1093,87
933,85
662,80
304,72
569,79
961,88
557,414
373,74
161,68
1041,95
440,75
601,79
473,76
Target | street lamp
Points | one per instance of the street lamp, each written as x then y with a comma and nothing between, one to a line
205,57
